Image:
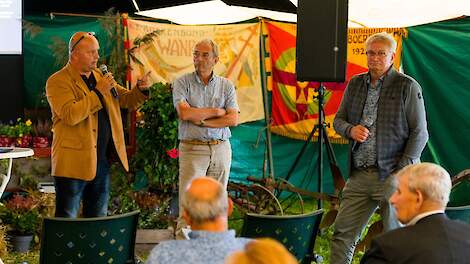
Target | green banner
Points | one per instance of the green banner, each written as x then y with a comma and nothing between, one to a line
45,49
437,56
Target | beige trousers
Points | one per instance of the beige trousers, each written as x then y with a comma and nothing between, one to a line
202,160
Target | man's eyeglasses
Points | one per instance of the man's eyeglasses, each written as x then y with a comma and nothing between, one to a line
80,39
205,55
379,54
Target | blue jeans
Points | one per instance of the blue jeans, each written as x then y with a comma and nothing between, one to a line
95,194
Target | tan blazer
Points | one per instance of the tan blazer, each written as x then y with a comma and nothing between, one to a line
75,122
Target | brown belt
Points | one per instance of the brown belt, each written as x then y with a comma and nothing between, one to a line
199,142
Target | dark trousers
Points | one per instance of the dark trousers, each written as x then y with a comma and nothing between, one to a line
95,194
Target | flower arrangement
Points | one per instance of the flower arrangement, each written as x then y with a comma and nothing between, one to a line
18,134
21,215
23,128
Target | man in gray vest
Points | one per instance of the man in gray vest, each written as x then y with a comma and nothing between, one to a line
207,106
382,113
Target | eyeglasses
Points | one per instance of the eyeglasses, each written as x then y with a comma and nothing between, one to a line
379,54
80,39
205,55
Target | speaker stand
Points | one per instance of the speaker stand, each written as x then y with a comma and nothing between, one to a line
338,179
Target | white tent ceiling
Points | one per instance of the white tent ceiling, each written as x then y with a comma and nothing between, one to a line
368,13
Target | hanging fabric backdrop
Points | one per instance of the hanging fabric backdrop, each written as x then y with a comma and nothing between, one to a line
170,56
294,108
437,56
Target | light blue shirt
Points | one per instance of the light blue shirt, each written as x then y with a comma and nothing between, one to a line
218,93
203,247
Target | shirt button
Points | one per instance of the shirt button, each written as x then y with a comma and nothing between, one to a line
94,130
95,146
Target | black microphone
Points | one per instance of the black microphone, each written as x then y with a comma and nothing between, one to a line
104,70
357,144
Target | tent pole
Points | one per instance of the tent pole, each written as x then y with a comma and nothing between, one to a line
267,116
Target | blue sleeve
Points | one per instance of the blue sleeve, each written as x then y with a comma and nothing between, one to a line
180,93
231,97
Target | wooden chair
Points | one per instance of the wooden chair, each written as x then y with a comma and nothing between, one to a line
109,239
296,232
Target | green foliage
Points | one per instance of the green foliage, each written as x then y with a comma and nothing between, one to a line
116,61
21,214
157,141
138,42
21,128
153,208
7,130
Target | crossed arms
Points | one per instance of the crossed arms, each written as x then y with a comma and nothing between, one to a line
207,117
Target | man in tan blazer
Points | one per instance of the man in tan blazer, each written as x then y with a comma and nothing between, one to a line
87,124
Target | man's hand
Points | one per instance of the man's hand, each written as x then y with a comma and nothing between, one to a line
105,84
359,133
144,83
221,112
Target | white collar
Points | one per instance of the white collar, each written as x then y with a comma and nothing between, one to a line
423,215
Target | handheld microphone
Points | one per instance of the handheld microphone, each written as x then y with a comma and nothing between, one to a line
367,124
104,70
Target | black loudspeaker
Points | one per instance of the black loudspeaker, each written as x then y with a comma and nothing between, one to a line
322,28
11,90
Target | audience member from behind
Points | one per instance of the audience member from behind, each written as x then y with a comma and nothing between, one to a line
205,208
429,236
262,251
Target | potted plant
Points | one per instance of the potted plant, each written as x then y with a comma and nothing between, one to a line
157,140
41,134
7,135
23,131
21,215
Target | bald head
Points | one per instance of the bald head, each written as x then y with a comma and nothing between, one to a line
205,200
83,52
204,188
78,38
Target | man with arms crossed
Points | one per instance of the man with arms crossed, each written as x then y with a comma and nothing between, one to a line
206,106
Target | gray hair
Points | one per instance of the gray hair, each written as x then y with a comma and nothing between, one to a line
215,47
382,37
203,210
431,179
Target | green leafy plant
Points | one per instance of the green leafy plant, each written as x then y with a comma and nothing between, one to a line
7,130
157,140
21,215
153,208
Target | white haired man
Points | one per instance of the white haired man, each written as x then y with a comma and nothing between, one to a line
205,208
382,113
429,236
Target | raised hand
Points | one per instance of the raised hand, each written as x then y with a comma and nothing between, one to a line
144,82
